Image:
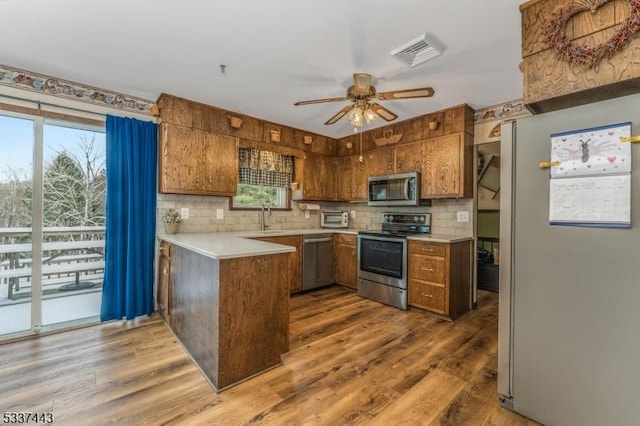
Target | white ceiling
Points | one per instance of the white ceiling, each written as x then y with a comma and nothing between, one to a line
276,52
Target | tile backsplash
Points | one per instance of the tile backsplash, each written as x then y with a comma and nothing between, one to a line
202,215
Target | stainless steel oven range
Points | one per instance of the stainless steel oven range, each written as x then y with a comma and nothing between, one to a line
382,257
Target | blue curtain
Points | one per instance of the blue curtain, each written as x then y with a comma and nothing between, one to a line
127,290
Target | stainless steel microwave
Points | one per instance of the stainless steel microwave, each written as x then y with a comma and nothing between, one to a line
394,190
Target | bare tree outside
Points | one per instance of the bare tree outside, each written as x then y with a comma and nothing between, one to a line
15,184
75,185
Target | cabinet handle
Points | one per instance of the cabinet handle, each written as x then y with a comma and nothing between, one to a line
427,295
430,250
427,269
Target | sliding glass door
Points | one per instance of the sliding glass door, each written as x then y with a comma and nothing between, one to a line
52,239
17,143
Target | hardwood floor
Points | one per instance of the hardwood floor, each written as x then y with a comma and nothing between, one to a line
352,361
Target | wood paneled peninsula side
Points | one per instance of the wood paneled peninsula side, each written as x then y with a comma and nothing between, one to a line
229,303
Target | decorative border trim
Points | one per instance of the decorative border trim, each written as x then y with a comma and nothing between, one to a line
40,83
503,111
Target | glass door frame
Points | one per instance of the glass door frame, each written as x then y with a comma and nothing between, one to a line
37,225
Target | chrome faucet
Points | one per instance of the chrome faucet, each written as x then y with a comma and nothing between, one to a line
263,225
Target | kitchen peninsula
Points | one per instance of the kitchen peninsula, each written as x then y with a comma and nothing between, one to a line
229,303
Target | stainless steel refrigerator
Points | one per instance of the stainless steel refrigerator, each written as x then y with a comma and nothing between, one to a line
569,317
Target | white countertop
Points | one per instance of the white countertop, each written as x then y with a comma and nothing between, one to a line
439,238
229,245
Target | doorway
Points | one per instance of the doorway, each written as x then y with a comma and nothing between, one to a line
488,216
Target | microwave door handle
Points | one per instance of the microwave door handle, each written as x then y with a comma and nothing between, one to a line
406,188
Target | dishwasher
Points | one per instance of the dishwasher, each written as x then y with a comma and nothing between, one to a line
317,261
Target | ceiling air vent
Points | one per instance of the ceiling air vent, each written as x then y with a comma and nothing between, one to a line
417,51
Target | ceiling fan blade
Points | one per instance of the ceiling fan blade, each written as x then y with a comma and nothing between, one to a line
319,101
424,92
339,115
382,112
362,82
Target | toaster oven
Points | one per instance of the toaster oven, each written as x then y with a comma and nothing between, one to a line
334,219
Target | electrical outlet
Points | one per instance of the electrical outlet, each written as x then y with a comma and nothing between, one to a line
307,214
219,214
353,214
184,213
463,216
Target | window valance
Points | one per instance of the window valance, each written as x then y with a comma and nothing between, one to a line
265,168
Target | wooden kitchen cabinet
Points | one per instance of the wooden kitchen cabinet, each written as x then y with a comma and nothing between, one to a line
163,294
351,178
447,167
197,162
402,159
408,158
318,177
381,162
346,263
295,283
439,277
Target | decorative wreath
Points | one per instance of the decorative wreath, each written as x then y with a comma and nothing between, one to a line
554,33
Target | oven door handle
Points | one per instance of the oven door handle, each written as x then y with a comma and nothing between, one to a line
376,238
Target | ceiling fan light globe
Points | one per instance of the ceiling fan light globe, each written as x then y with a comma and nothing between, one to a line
356,117
370,116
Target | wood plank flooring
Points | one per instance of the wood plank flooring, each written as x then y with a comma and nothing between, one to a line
352,361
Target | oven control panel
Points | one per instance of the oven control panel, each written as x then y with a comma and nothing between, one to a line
407,218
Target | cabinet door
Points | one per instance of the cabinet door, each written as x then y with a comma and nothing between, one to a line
381,162
319,178
179,156
360,178
197,162
220,168
163,296
442,167
346,263
328,178
344,178
408,158
296,258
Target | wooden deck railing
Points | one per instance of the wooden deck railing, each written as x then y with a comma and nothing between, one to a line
68,252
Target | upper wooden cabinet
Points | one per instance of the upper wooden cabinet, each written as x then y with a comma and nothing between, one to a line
197,162
318,177
351,178
447,167
552,81
402,159
381,162
408,158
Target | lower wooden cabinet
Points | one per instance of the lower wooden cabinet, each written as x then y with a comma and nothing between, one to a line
296,257
163,295
346,263
439,277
